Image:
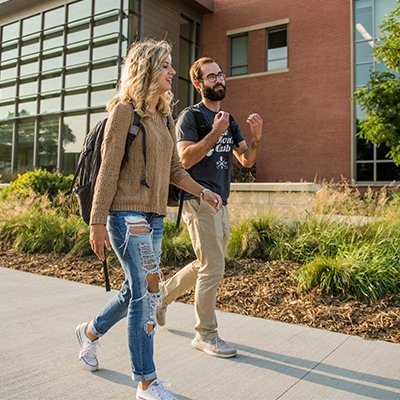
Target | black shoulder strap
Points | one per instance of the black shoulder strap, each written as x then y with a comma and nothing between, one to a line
203,128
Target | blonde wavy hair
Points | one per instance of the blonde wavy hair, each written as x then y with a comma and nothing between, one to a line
140,77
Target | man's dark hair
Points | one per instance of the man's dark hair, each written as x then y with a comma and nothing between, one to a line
195,69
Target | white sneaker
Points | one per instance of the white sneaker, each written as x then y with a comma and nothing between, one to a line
156,391
87,353
215,347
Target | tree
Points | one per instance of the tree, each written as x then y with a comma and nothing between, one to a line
380,98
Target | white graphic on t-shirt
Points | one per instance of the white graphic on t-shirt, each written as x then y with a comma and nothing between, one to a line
222,163
210,153
223,145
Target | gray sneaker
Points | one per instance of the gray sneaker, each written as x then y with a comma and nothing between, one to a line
215,347
161,310
87,353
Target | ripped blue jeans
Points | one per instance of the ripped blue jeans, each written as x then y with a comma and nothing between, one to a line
136,239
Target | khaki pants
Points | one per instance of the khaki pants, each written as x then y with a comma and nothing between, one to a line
209,235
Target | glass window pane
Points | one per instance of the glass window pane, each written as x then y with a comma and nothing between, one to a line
79,9
28,88
7,111
27,108
53,41
365,150
52,63
24,145
277,38
239,51
102,97
381,152
54,18
79,34
10,31
363,19
6,130
8,73
382,9
238,70
107,51
75,101
184,58
363,52
106,28
363,72
7,92
278,64
186,29
51,84
77,79
31,48
135,4
74,131
51,104
387,172
364,172
80,57
31,25
105,74
30,68
105,5
184,94
9,54
278,53
94,118
48,143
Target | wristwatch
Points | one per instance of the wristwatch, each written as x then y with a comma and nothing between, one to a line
203,191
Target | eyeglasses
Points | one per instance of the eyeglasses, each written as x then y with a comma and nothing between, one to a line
212,78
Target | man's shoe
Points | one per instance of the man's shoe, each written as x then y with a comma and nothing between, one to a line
156,391
161,310
215,347
87,353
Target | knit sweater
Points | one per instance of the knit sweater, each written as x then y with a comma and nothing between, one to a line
120,189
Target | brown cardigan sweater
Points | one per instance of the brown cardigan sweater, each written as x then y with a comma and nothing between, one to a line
120,189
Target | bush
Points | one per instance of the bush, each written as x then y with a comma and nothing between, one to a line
40,182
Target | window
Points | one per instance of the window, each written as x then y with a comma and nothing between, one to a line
239,55
277,51
62,60
371,164
188,51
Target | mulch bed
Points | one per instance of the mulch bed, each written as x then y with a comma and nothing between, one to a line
250,287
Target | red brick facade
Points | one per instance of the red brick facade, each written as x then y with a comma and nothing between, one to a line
306,110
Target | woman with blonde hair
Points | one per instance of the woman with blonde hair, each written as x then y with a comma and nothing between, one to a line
129,206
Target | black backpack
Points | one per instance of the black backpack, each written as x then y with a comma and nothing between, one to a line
89,162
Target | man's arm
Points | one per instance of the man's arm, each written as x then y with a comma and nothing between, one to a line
191,153
247,154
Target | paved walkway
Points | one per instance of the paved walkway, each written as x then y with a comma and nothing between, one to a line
38,353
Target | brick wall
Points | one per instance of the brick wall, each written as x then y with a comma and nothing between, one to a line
307,110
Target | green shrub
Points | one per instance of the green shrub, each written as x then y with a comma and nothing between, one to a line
39,181
176,245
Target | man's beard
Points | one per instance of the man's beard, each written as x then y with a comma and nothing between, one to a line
214,95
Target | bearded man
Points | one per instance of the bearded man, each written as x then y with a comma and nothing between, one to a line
208,159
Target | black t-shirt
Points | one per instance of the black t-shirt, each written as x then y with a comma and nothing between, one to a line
214,170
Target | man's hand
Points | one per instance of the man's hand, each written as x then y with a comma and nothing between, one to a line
256,123
213,199
221,122
98,238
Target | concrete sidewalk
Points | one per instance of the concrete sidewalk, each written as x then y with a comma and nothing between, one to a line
38,353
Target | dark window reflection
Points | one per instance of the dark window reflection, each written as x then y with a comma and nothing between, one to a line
365,150
5,147
73,133
387,172
381,152
25,139
48,143
364,172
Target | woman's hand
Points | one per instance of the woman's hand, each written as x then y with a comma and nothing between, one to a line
98,238
213,199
